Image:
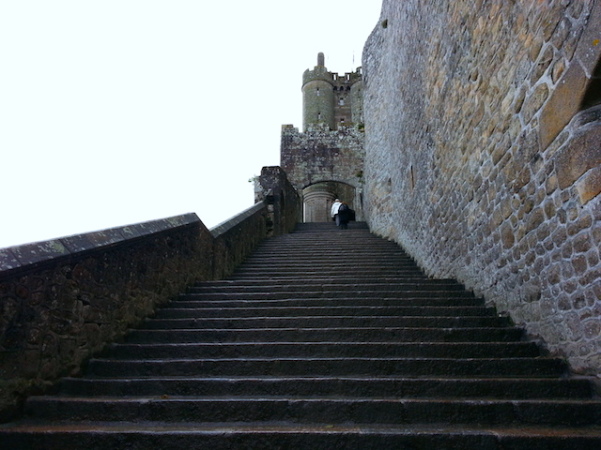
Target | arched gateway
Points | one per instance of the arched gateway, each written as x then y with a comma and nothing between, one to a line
319,197
325,161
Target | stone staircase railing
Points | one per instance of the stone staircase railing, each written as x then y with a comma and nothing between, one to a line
63,300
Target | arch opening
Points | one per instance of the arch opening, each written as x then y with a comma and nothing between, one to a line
319,197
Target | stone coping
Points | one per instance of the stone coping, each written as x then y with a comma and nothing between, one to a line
223,227
31,255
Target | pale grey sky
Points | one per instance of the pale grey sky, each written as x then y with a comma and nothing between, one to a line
114,112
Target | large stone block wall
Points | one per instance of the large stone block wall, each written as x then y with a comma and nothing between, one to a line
483,155
62,301
282,199
320,155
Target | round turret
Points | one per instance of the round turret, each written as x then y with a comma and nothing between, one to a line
357,101
318,95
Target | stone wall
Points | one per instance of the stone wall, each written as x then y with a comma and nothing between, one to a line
483,155
320,155
62,301
282,199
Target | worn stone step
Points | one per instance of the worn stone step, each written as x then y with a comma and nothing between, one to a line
460,297
341,276
325,287
372,386
305,258
348,250
370,252
362,245
300,349
226,321
320,278
340,268
289,259
286,435
315,409
347,334
361,242
312,274
539,367
254,310
326,350
408,305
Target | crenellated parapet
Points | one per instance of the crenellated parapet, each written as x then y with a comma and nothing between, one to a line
330,98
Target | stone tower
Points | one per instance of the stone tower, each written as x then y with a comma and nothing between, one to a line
325,161
331,99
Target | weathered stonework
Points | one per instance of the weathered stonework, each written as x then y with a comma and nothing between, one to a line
62,301
483,155
321,156
326,160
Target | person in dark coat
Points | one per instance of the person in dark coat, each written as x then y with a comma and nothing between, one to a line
344,215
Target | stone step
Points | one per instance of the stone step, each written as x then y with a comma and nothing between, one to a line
310,275
368,386
306,254
332,294
539,367
340,273
339,267
338,410
406,306
226,321
299,349
248,435
347,334
319,279
411,305
326,350
275,287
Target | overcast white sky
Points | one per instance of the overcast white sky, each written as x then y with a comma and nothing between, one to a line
115,112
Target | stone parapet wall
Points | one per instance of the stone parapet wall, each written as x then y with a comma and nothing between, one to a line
235,239
483,155
320,155
282,199
62,301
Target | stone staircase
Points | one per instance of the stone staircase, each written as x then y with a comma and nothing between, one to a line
323,339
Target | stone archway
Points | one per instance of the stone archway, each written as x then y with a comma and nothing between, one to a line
318,199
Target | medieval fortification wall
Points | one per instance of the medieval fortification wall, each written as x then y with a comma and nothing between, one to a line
483,155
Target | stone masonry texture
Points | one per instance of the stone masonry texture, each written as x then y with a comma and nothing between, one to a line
62,301
482,161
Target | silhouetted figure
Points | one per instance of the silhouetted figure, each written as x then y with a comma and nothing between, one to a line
344,215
